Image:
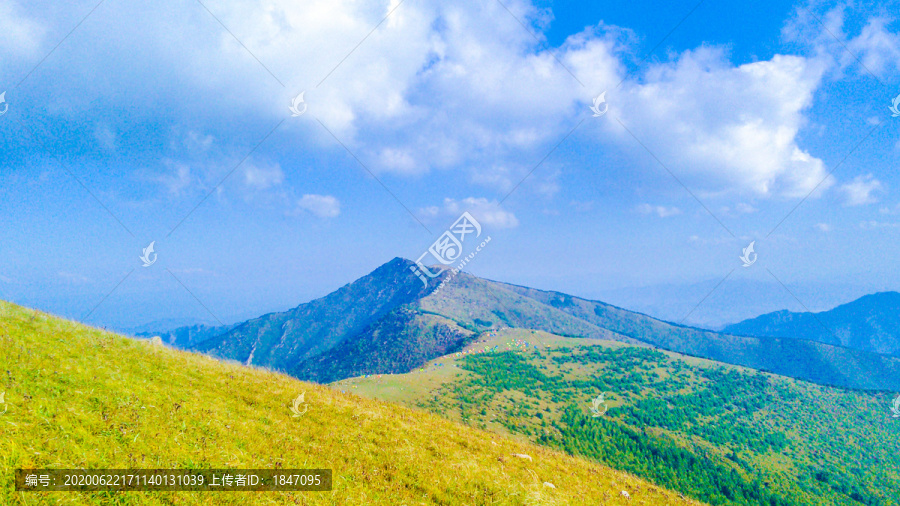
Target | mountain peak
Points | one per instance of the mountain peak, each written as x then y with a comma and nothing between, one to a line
398,317
398,261
281,340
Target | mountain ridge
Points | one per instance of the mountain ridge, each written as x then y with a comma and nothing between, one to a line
389,322
870,323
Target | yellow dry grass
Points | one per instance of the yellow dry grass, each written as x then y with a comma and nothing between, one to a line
79,397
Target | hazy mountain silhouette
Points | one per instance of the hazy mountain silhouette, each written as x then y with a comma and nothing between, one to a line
870,323
186,336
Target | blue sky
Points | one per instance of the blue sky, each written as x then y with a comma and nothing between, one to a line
169,122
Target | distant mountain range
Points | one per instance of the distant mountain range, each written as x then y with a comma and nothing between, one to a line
389,322
187,336
162,326
870,323
737,299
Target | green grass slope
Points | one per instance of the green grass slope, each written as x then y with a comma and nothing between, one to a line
719,433
487,304
79,397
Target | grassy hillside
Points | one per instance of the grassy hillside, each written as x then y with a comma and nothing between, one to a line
722,434
488,304
81,397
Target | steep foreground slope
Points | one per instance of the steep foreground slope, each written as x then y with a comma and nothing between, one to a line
81,397
869,323
722,434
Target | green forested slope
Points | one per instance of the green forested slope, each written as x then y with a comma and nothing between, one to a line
722,434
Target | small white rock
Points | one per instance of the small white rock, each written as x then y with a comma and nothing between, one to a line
522,456
548,484
625,494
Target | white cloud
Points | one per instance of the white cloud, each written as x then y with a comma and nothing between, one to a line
105,136
547,183
323,206
437,86
876,46
499,176
75,279
262,177
661,211
200,164
429,212
195,142
399,161
193,165
460,85
178,178
487,212
728,127
19,35
823,227
739,208
722,127
582,206
875,225
194,270
860,191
